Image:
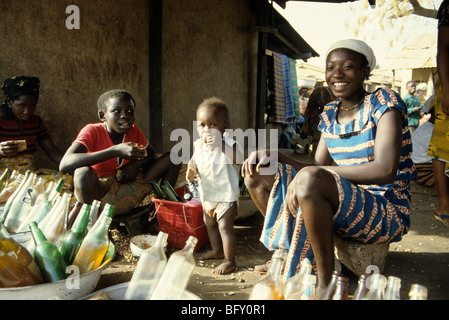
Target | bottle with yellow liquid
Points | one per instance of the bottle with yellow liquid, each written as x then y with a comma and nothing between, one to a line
13,274
12,248
95,244
270,286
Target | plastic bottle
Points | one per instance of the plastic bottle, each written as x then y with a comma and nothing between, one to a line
95,244
341,290
74,237
4,178
11,247
376,290
14,274
392,291
270,286
177,273
20,206
293,284
417,292
149,270
330,290
47,256
361,290
13,196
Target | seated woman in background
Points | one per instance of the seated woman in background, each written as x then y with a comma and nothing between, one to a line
19,124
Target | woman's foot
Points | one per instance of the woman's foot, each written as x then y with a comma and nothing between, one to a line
444,218
262,268
225,267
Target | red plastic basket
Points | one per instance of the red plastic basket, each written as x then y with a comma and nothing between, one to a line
180,221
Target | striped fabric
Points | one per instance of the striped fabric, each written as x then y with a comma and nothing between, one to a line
367,213
34,131
279,111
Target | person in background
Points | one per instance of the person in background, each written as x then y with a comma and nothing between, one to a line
214,166
439,147
18,121
317,100
359,186
112,160
413,106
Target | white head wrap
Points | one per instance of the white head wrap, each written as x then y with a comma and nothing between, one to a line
357,46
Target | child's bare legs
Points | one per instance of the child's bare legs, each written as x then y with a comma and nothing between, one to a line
222,240
162,168
442,186
87,185
316,192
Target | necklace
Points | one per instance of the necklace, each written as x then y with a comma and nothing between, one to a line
354,106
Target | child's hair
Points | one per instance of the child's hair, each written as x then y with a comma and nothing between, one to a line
217,104
120,94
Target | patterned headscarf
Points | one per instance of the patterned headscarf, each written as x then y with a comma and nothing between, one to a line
15,87
21,85
357,46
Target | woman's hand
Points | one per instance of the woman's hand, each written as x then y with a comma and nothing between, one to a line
9,149
256,160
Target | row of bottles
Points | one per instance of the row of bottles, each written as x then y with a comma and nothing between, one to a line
302,286
155,278
48,260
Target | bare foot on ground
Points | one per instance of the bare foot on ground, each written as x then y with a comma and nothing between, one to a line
225,267
211,255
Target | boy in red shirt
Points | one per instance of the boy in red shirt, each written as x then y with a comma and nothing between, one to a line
113,160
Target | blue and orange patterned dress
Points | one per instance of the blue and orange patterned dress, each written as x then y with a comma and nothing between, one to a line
367,213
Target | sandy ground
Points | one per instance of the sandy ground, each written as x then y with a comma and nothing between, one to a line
421,257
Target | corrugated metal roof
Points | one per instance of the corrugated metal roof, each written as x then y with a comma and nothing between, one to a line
420,53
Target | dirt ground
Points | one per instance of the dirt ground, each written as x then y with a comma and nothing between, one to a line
421,257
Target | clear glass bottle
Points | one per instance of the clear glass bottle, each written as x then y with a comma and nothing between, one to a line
11,247
293,284
362,289
270,286
376,286
47,256
74,237
341,290
148,271
177,273
417,292
95,244
330,290
392,291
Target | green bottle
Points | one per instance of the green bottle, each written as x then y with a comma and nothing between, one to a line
95,244
74,237
48,258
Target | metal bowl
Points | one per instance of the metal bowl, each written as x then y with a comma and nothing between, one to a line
71,288
117,292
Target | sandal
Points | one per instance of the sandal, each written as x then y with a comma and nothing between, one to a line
262,268
441,218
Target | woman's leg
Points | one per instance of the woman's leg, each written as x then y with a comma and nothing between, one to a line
442,186
259,187
315,190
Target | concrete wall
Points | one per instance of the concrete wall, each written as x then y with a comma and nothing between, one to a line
209,49
110,50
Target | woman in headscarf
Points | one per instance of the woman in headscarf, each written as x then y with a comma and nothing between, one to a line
19,123
359,187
